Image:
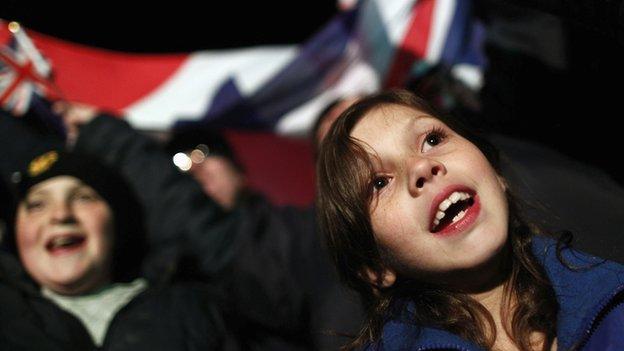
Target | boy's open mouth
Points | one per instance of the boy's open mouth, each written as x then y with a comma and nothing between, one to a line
65,242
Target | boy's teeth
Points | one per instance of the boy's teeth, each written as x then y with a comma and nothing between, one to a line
62,241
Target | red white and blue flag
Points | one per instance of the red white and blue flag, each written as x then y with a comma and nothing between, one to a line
377,43
369,45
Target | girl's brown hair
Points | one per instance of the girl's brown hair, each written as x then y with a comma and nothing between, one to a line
345,172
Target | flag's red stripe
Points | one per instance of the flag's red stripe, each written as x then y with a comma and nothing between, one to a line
22,72
414,44
7,93
105,78
263,153
5,35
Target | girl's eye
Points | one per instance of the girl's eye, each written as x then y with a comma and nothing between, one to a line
380,182
433,138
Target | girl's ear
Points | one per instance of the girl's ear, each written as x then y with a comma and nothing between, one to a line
384,279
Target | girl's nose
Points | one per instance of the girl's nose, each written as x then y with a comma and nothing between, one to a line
422,171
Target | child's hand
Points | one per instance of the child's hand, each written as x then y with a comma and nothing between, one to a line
74,116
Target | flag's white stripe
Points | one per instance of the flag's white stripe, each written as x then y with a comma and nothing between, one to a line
190,90
443,12
41,65
358,79
396,16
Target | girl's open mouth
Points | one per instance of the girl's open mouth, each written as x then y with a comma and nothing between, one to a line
456,209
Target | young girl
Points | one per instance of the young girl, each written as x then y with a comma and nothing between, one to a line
419,221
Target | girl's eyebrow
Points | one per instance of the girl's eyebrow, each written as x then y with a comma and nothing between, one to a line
420,118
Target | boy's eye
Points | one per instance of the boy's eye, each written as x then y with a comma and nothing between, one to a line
85,196
380,182
32,205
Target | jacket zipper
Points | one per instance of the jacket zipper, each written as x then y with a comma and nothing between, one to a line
616,299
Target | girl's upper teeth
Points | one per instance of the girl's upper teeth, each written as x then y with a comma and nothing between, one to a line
444,205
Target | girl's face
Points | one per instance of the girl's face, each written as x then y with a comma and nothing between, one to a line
439,209
64,234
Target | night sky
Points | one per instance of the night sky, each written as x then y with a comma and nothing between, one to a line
178,26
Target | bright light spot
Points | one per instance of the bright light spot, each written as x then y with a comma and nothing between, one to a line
198,156
14,27
182,161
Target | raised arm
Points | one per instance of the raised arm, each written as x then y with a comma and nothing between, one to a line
255,242
181,220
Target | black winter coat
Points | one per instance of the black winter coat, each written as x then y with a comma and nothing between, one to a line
168,315
281,292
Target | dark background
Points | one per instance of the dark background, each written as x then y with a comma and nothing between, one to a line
177,26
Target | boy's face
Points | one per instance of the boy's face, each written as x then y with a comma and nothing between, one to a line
64,236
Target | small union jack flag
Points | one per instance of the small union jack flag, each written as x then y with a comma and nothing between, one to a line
23,72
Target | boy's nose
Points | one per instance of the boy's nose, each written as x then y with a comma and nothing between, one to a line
62,212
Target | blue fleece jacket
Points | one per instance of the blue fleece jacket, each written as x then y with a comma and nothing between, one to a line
591,289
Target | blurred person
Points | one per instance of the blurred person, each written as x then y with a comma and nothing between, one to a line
324,120
76,281
282,293
208,157
320,308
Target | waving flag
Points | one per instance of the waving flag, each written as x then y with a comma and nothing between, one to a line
281,88
276,89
